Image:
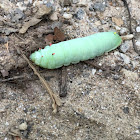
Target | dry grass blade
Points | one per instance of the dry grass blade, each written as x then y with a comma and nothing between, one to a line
55,99
6,45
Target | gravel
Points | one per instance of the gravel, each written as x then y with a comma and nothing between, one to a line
65,2
67,16
124,47
123,31
99,7
138,29
96,107
80,14
17,15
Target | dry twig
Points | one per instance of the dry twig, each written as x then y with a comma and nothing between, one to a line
63,82
6,45
55,99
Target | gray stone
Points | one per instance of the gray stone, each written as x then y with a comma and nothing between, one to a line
126,110
65,2
99,6
125,58
82,3
17,15
123,31
54,16
4,73
75,1
138,43
93,71
121,56
67,16
91,8
21,6
124,47
80,13
50,5
3,39
23,126
138,29
135,63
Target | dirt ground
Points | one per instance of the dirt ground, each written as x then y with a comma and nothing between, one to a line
101,104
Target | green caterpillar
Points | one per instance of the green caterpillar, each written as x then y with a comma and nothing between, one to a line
76,50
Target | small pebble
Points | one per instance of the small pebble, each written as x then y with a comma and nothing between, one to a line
99,7
54,16
123,31
65,2
28,2
17,15
50,5
125,58
67,16
75,1
80,14
23,126
21,6
124,47
120,56
37,3
116,77
126,110
4,73
93,71
7,123
82,3
137,131
138,29
134,63
100,70
138,43
91,8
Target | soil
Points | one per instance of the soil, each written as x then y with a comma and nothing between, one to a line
101,104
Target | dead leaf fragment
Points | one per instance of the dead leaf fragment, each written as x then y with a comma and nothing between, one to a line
117,21
58,34
49,39
28,24
43,10
18,138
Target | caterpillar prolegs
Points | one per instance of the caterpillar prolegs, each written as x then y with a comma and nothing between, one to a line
76,50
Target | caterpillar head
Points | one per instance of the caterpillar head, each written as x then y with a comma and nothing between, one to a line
36,57
41,58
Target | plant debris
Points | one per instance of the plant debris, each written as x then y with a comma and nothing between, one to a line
58,34
55,99
43,10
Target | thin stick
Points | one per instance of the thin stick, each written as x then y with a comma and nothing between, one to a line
63,82
12,78
130,27
55,99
